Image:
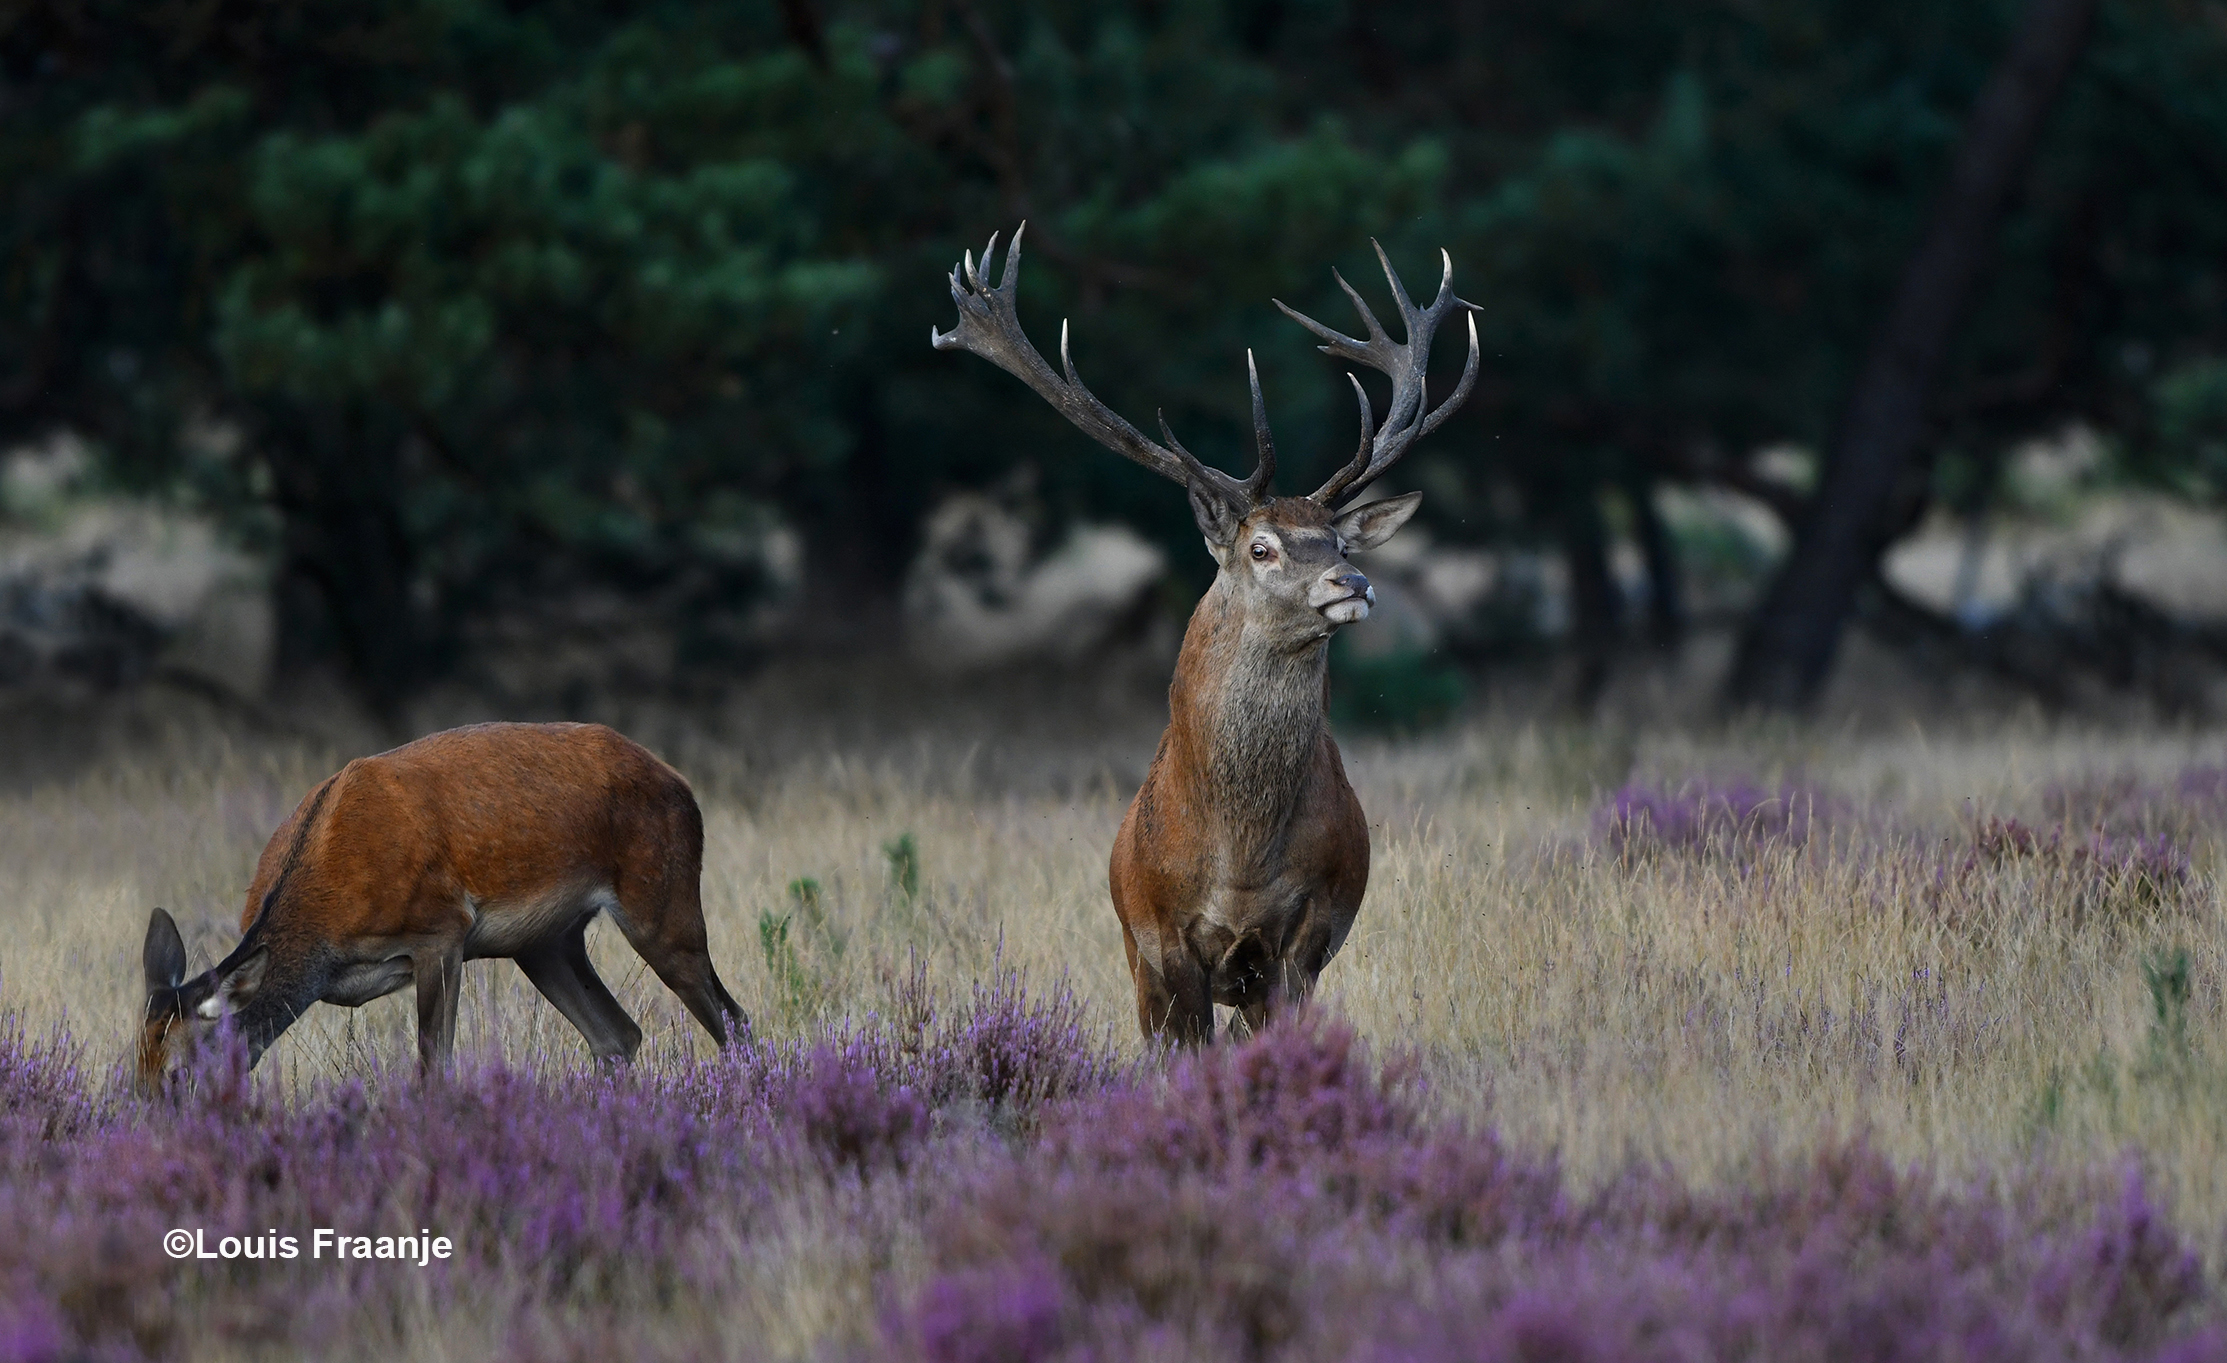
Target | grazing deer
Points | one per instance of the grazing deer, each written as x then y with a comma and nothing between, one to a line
1241,863
492,840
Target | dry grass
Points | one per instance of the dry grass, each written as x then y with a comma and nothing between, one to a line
1676,1009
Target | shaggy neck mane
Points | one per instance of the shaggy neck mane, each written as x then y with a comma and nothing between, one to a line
1252,712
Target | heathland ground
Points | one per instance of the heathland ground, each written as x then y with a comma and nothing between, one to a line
1985,949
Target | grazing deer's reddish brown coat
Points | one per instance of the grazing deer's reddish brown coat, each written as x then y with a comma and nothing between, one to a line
492,840
1241,863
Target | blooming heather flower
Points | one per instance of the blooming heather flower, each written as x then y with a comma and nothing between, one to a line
1292,1198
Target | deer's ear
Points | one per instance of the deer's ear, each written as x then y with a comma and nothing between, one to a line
1371,524
164,956
1217,519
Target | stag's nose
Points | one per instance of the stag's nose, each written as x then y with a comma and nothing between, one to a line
1353,583
1343,595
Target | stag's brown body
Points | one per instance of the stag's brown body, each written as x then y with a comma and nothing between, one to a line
488,841
1241,864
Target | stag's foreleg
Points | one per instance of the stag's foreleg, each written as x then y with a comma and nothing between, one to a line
1175,1000
1285,984
1174,1003
1278,981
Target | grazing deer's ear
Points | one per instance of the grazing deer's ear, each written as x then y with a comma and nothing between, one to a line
1367,526
164,956
240,983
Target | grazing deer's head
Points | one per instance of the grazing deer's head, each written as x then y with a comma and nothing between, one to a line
181,1013
1282,558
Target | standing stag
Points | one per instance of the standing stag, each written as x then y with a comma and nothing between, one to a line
1242,861
491,840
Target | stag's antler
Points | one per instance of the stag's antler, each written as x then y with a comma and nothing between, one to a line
989,327
1408,419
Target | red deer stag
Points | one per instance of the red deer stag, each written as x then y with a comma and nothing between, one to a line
1241,863
493,840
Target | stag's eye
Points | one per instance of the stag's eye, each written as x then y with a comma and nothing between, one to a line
1260,553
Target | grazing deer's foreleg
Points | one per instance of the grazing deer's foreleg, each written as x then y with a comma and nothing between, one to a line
559,967
440,979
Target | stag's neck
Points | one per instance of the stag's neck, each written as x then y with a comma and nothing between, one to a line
1246,716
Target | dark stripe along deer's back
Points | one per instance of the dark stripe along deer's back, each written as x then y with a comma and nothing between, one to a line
489,841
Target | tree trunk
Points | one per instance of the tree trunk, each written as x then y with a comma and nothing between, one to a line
1595,612
857,542
802,19
1790,641
336,486
1666,604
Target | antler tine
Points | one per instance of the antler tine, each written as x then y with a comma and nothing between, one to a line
1391,277
1264,442
1202,474
991,249
1195,470
1377,334
1190,460
1409,416
990,326
1336,343
1359,464
1461,390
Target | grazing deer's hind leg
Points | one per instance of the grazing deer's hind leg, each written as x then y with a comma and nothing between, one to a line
689,974
560,969
658,896
440,978
669,936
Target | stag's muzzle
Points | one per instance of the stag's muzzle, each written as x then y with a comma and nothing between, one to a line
1344,596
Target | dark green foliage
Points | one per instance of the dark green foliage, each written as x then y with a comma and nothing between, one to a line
800,962
903,855
1403,692
793,986
2166,974
507,297
2192,427
811,903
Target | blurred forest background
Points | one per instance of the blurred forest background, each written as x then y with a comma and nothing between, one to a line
548,346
